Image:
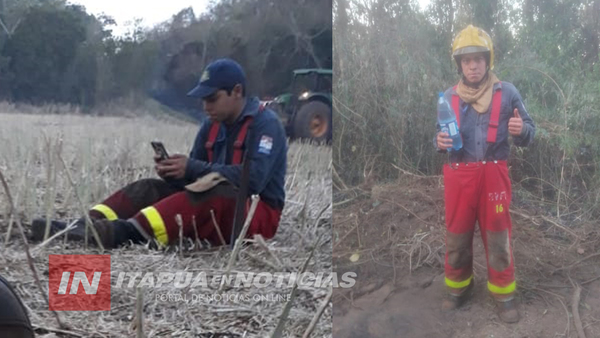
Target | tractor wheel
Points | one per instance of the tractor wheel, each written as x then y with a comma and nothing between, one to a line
313,121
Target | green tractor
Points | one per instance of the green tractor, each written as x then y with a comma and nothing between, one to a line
306,111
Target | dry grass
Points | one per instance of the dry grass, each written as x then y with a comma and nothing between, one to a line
104,154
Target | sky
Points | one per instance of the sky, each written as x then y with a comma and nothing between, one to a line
151,12
424,3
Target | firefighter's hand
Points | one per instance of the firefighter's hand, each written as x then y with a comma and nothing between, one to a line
515,124
157,158
172,167
444,141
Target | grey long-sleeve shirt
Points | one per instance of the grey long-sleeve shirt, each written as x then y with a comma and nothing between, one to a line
474,128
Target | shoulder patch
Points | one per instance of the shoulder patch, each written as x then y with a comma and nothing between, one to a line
265,145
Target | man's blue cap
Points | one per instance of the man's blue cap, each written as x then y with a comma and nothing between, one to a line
220,74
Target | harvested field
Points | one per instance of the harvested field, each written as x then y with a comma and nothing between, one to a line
105,153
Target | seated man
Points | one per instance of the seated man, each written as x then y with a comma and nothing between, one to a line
208,180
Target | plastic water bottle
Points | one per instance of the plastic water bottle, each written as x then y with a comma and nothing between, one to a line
447,121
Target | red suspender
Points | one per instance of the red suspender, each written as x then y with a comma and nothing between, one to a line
456,107
239,142
238,151
494,116
212,136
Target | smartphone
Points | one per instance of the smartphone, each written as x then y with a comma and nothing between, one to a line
159,149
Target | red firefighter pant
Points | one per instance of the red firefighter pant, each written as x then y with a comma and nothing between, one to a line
478,192
154,205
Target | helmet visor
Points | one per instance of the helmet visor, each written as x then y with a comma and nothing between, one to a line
469,50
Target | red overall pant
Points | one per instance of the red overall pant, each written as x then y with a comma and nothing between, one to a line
154,205
479,192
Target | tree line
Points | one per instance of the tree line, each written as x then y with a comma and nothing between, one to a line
393,57
53,51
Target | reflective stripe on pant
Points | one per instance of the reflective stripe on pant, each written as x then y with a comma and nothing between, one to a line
137,195
105,211
159,220
478,192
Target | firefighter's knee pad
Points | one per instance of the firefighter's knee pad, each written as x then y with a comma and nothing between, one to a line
498,249
460,249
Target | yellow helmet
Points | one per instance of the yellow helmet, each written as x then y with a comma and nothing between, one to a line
472,40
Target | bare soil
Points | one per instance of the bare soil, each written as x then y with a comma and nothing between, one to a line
397,233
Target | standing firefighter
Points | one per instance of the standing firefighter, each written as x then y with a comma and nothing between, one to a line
477,186
208,181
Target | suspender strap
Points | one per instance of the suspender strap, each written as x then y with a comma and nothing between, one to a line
238,145
241,203
495,116
456,107
212,137
238,150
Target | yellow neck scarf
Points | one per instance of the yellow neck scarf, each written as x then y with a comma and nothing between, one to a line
480,97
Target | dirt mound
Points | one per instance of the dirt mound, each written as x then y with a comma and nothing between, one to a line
389,230
392,236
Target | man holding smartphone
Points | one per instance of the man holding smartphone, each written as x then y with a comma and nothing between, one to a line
204,184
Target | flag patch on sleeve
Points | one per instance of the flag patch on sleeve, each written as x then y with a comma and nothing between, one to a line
265,145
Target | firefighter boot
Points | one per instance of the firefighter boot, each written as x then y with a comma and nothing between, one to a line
104,228
106,233
507,310
38,227
452,302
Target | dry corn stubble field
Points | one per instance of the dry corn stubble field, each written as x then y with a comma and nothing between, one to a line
105,153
